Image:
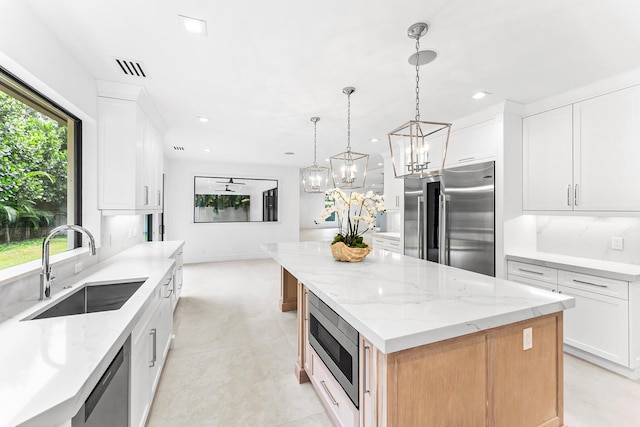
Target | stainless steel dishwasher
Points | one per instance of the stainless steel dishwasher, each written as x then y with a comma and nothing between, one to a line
108,403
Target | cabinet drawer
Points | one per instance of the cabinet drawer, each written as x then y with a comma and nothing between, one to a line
387,244
536,272
533,282
340,407
600,285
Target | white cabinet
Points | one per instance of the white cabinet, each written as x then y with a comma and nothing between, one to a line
369,384
600,322
150,342
393,188
177,278
388,243
547,160
583,157
130,162
606,132
472,143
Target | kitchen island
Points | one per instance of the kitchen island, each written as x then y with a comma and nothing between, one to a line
438,346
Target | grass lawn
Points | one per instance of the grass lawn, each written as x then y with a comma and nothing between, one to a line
20,252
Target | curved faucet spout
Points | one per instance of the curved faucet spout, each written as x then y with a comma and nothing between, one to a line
45,276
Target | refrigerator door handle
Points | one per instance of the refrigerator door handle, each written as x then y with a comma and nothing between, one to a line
442,232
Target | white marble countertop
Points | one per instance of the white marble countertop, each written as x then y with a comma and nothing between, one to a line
398,302
48,367
613,270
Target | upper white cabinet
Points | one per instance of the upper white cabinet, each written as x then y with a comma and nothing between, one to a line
583,157
393,188
472,143
130,158
607,151
547,151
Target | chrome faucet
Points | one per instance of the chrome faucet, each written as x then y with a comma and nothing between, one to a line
46,278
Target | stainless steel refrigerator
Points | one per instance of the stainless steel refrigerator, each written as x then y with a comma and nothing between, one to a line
451,219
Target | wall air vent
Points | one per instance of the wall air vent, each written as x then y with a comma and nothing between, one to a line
178,148
131,67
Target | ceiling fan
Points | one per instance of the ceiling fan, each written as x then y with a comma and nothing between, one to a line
226,188
231,182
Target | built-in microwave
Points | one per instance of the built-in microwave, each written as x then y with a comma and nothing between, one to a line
336,342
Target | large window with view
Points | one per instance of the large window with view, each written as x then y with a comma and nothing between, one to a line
39,173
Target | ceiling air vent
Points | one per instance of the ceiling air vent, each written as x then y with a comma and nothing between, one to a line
178,148
131,67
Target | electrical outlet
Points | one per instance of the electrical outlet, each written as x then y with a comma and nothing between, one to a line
617,243
527,338
77,268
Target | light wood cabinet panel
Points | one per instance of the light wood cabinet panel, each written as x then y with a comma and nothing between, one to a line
527,384
288,291
547,160
443,384
606,152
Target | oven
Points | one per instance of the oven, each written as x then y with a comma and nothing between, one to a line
336,342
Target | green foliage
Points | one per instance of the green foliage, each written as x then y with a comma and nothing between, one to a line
33,168
28,250
350,240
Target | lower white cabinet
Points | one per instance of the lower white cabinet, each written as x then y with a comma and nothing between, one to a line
150,341
601,321
598,324
391,244
177,278
340,408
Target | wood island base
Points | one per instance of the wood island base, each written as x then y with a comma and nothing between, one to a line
487,378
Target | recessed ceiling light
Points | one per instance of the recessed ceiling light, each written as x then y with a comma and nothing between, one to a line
193,25
480,95
289,153
207,150
380,164
374,140
326,160
203,119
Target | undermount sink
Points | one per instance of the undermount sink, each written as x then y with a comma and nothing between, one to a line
92,298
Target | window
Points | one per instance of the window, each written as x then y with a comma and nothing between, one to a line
40,173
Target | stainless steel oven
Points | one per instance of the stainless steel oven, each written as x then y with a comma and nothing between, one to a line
336,342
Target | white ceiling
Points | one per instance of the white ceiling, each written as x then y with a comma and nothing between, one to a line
266,67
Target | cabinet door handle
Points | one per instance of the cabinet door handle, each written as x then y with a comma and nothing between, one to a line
146,194
333,400
569,195
466,158
591,284
158,197
575,195
531,271
365,370
154,334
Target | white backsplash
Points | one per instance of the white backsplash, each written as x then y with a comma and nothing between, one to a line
589,237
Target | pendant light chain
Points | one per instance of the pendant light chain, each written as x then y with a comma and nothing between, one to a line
349,122
315,133
418,79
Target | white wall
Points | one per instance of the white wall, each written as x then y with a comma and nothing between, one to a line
311,204
227,241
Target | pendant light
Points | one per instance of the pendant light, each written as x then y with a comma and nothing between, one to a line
315,178
409,143
349,169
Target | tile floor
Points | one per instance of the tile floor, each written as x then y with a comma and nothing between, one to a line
232,364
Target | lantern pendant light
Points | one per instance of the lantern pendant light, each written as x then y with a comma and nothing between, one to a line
315,178
409,143
349,169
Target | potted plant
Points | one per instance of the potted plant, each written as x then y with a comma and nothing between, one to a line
356,214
